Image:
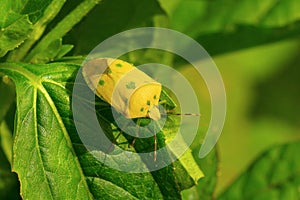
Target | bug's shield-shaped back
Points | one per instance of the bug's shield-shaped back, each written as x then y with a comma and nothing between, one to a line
139,93
129,90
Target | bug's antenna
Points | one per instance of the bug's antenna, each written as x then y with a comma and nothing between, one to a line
171,112
187,114
155,146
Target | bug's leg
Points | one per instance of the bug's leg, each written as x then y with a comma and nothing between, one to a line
135,137
155,146
114,142
133,141
130,145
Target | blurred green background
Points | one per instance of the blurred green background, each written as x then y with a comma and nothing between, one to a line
263,92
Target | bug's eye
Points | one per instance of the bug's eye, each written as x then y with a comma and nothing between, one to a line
154,113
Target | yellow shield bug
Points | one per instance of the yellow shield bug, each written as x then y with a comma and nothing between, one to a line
129,90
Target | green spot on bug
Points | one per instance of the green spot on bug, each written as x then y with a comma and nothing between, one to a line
130,85
101,82
142,109
148,102
154,97
118,65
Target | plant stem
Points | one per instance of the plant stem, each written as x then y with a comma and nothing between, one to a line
61,29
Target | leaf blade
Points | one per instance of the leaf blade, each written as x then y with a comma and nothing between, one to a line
38,127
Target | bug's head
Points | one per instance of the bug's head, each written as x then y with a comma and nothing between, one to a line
154,113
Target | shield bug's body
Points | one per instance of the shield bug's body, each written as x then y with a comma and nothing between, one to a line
129,90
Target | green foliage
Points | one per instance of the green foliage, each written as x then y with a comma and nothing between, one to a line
274,175
224,26
38,43
15,26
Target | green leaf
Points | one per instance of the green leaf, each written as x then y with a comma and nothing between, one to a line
70,59
165,178
223,26
111,190
43,154
182,173
14,33
64,50
108,183
273,175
